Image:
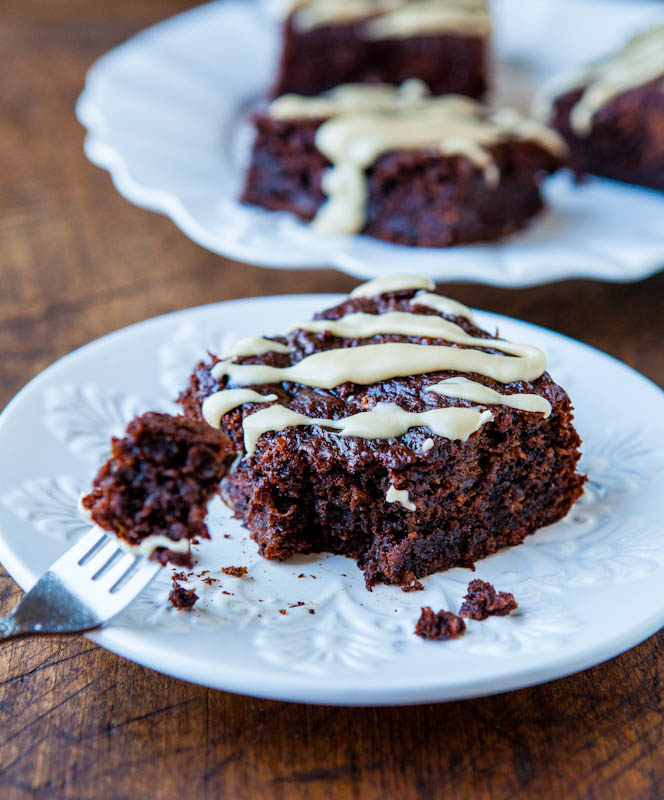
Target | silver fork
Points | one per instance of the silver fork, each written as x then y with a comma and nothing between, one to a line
86,587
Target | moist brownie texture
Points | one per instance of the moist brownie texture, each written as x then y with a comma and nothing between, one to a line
326,56
483,601
405,504
621,135
439,627
155,487
478,180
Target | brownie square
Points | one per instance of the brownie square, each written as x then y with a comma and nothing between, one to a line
407,504
419,196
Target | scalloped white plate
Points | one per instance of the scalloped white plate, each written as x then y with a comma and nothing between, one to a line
589,587
166,116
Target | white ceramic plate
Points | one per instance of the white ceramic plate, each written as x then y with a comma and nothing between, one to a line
166,116
589,587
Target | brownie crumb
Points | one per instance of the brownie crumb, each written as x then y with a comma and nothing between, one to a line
296,605
311,611
484,601
301,575
439,627
235,572
411,584
283,611
182,598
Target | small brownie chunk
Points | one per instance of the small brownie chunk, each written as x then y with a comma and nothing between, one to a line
483,601
234,572
182,598
158,481
318,59
439,627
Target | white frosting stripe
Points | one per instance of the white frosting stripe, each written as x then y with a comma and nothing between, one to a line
638,62
359,325
255,346
374,363
400,496
396,18
464,389
444,305
384,421
396,282
220,403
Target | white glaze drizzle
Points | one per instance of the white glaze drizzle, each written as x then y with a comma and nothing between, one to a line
465,389
216,405
384,421
444,305
638,62
374,363
415,17
360,127
400,496
396,282
349,97
395,18
359,325
255,346
147,546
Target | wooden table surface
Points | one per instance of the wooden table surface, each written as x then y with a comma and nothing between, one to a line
77,261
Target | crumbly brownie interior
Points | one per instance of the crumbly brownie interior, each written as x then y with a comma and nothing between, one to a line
158,481
308,489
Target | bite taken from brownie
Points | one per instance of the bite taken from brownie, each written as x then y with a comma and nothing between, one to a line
444,43
152,492
400,165
391,429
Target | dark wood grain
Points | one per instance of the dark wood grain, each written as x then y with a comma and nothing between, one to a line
76,721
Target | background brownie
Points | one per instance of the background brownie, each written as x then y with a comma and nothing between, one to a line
415,197
626,142
308,489
318,59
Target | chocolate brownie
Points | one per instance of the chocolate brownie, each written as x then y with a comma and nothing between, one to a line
155,487
358,442
400,165
612,114
483,601
439,627
449,54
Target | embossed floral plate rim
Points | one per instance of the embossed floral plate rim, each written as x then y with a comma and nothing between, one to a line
571,618
165,114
